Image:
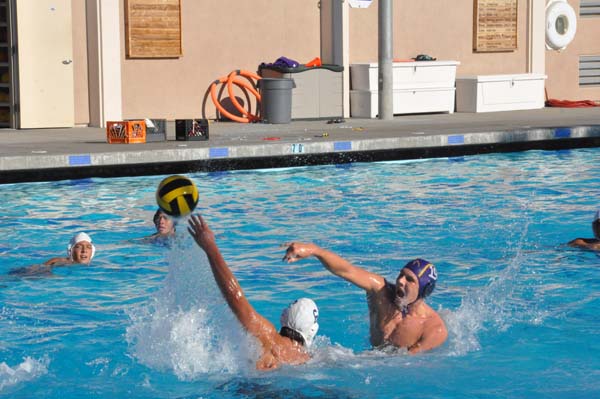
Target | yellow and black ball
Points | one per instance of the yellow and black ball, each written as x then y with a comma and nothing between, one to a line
177,195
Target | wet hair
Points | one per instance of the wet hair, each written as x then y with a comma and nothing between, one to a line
156,218
292,334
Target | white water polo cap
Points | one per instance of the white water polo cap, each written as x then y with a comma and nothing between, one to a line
301,316
77,238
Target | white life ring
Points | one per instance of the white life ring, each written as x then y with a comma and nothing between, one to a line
561,24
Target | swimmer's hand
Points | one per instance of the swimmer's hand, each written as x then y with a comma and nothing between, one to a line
298,250
203,235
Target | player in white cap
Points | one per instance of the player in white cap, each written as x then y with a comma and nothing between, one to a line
590,243
298,321
80,251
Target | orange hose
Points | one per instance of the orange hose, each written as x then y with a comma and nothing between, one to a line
571,103
240,83
234,79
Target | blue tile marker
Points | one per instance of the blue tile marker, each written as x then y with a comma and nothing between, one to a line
218,152
457,139
342,146
80,160
562,133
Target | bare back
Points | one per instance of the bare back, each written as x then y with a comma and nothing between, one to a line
279,350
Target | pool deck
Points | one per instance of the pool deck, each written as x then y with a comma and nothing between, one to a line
81,152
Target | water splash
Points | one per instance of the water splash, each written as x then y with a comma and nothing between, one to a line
28,370
493,306
186,327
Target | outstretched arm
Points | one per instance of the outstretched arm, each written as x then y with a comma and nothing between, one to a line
335,264
226,281
585,243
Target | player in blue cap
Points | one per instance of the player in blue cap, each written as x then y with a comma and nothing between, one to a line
398,313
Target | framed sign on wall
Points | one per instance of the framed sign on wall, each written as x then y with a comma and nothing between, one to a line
153,28
495,25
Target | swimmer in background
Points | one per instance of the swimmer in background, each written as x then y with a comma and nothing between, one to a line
165,228
80,251
398,313
298,320
589,243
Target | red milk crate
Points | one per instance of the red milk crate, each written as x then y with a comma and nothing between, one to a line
126,132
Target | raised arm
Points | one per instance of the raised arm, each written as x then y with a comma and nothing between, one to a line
335,264
252,321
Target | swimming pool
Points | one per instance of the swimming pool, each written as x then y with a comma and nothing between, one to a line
146,321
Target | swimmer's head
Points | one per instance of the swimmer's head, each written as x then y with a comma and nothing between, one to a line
426,274
81,249
596,224
165,225
300,318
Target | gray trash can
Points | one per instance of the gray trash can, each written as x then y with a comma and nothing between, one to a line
276,99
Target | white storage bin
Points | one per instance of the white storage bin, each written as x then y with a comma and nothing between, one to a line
490,93
365,103
405,75
418,87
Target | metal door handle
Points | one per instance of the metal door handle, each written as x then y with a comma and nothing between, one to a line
67,62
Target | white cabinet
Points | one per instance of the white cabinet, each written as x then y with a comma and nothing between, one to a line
490,93
418,87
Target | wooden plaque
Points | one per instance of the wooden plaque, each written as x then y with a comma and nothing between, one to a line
495,25
153,28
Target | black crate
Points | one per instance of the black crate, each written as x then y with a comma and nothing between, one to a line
191,129
158,133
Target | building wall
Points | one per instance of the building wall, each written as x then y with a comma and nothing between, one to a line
218,37
80,64
440,28
562,67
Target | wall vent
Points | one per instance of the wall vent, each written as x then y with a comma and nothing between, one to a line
589,8
589,70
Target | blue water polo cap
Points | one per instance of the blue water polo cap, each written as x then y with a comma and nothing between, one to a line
426,274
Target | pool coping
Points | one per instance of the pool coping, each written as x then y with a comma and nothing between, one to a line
83,153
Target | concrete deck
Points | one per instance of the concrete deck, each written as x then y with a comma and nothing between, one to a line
53,154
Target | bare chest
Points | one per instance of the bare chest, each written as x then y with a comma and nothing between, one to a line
403,332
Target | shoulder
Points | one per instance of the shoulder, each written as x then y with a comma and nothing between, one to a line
435,322
386,290
58,261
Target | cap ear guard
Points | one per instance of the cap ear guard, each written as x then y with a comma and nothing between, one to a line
310,334
428,289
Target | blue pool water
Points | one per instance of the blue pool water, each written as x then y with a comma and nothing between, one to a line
146,321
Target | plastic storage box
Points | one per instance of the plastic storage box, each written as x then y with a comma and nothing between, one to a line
191,129
126,132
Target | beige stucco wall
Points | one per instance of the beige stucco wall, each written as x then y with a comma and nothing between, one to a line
563,67
440,28
80,64
218,37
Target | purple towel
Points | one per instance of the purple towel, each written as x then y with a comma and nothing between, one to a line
282,62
